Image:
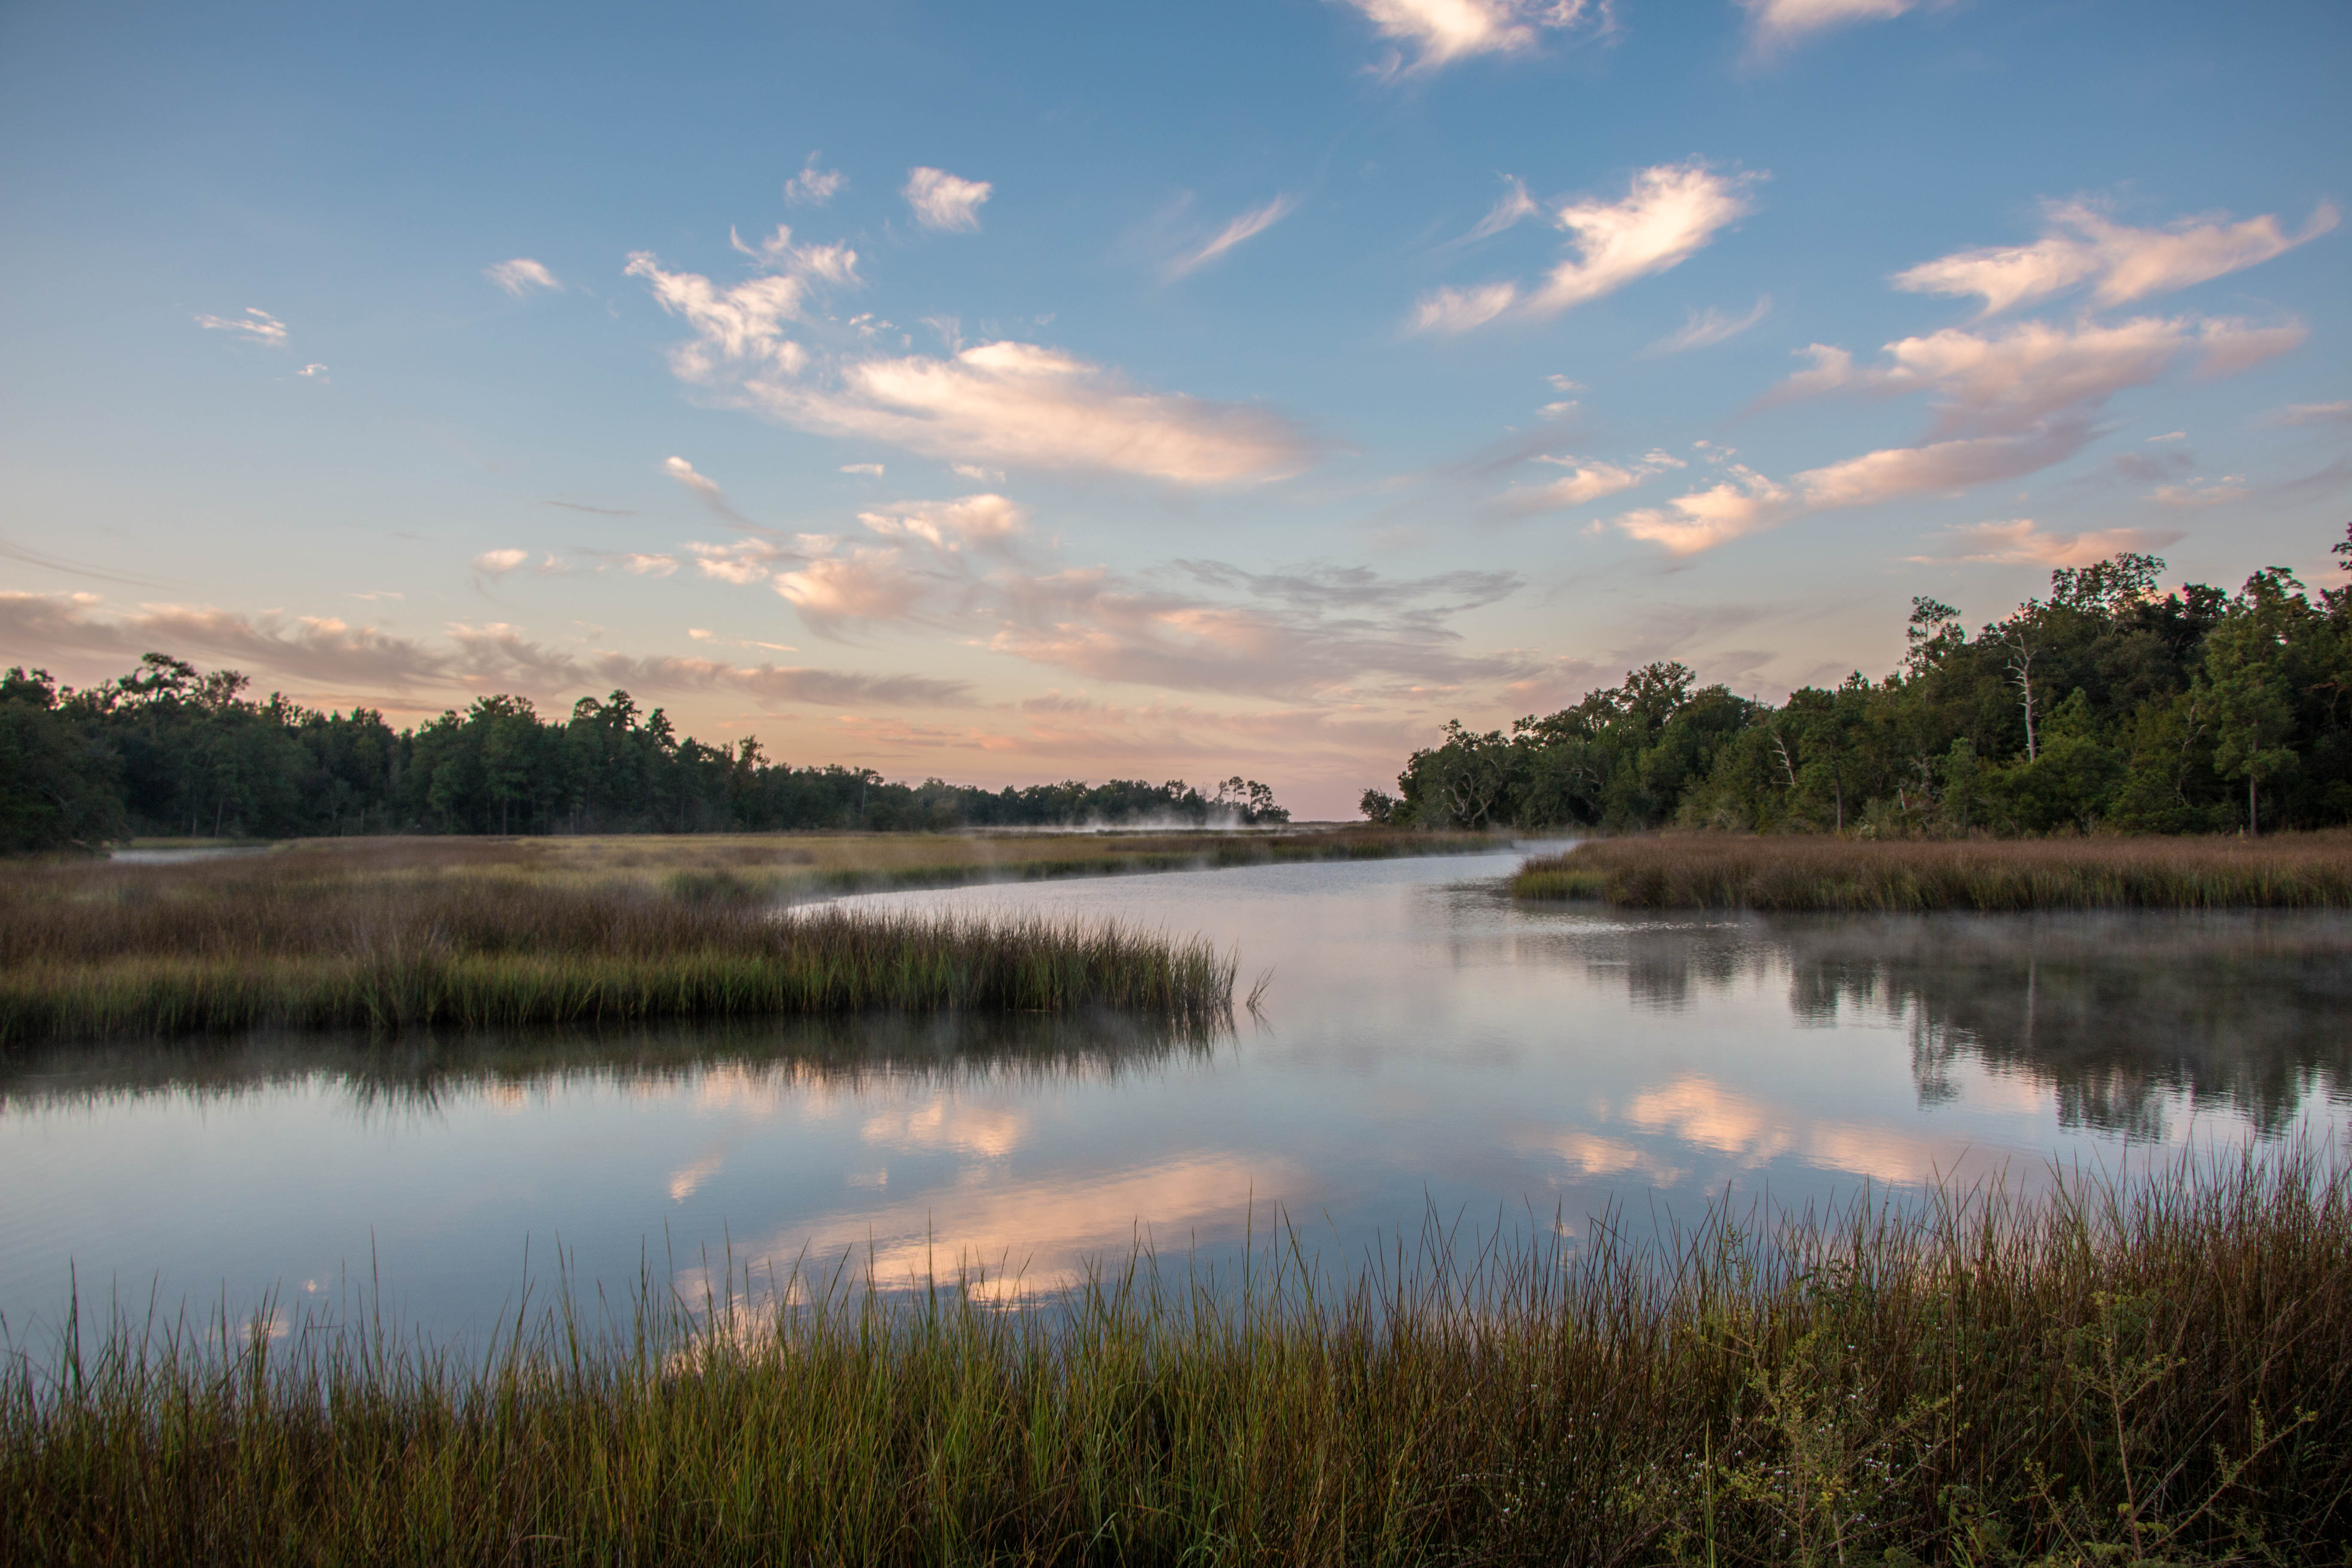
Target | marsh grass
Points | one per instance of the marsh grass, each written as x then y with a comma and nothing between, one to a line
1792,874
2152,1371
391,939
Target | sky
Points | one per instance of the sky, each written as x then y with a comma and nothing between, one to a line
1021,392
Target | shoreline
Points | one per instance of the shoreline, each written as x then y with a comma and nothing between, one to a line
1811,874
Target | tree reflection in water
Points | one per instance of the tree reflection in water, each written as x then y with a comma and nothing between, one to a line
2122,1015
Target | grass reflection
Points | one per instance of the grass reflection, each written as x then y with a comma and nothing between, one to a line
427,1072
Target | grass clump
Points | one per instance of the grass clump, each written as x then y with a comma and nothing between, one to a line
2148,1372
1796,874
313,938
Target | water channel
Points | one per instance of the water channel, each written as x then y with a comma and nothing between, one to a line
1429,1051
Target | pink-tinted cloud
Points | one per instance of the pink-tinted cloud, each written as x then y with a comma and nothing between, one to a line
1776,25
309,653
942,201
1704,329
1013,406
2022,542
2081,245
1587,480
1941,467
2009,380
950,525
813,187
255,325
1670,214
1745,503
1441,32
1246,227
521,276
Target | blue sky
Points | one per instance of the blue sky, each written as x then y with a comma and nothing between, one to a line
1018,392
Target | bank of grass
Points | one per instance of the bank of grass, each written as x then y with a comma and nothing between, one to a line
2158,1372
1790,874
803,864
391,936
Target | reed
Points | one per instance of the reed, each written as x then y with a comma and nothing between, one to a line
1690,870
2151,1371
317,938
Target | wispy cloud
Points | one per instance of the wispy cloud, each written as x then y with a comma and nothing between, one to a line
1587,480
1248,226
1703,329
2022,542
874,469
314,650
743,561
1450,310
255,325
949,525
595,510
1440,32
942,201
498,563
521,276
2006,404
1670,214
706,489
1014,406
780,253
2005,382
2081,245
997,404
967,567
1319,632
813,187
1745,503
2310,414
1776,24
1514,204
741,327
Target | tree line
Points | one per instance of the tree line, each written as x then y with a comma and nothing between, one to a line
168,750
2106,705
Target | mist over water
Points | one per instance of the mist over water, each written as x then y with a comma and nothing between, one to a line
1429,1051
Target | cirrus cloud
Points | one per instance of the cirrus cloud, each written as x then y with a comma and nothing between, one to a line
1248,227
1669,213
942,201
2022,542
1775,24
256,325
994,405
2081,245
813,187
1014,405
520,275
315,652
1440,32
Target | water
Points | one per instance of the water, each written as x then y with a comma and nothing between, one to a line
1428,1049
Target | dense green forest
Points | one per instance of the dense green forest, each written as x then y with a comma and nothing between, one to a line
167,750
2105,706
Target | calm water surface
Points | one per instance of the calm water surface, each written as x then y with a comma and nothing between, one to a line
1427,1048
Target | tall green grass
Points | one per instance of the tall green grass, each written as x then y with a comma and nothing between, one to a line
318,940
2152,1371
1796,874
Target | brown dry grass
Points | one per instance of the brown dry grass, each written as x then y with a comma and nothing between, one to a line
2156,1374
471,933
1790,874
